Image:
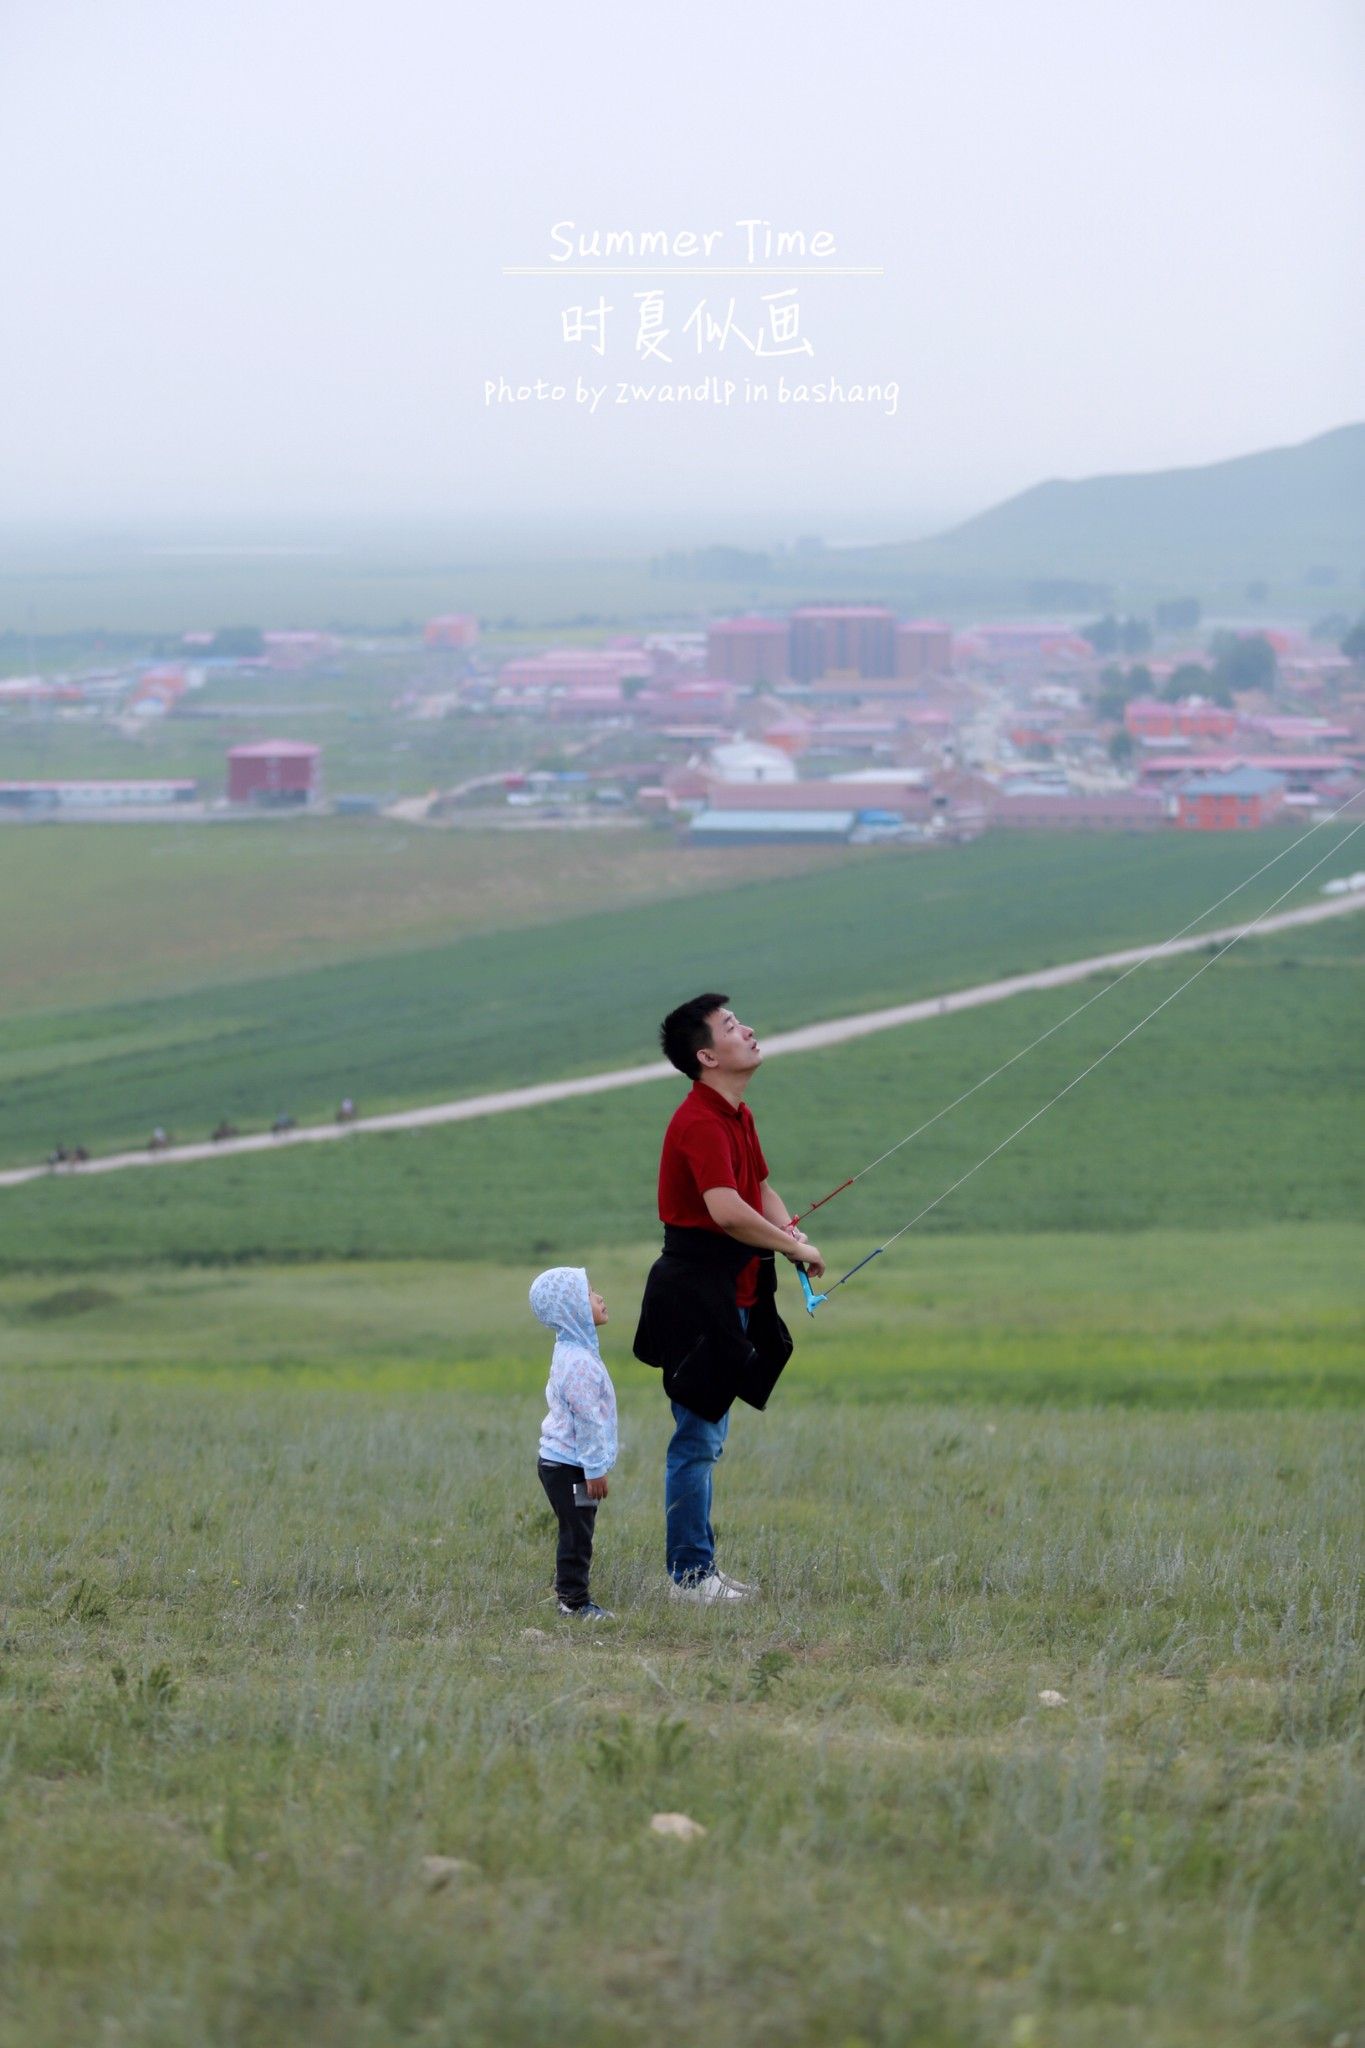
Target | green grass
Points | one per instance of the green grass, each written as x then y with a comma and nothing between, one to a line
267,1646
94,913
1242,1318
1239,1103
502,1007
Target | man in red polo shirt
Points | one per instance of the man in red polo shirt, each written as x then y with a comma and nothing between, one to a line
713,1178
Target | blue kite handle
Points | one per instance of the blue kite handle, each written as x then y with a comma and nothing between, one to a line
813,1300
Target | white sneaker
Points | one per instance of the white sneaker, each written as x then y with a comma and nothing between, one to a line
740,1586
704,1592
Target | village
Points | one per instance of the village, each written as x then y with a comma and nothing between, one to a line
823,724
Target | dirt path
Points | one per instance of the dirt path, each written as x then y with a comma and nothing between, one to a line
811,1036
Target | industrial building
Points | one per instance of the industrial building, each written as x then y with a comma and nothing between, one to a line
755,828
95,795
275,773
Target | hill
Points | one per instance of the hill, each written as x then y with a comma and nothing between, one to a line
1285,513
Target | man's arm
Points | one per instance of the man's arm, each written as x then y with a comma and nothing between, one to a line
738,1219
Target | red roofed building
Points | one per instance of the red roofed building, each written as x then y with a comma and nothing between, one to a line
275,772
451,629
1192,718
1240,801
537,678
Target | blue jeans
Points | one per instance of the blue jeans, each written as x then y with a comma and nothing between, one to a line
689,1470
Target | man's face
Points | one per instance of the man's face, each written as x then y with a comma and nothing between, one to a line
733,1048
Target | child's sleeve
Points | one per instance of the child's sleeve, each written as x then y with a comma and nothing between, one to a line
588,1397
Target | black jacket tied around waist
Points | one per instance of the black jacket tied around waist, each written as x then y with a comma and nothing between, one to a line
690,1330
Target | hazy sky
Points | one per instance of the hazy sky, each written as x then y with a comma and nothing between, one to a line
253,251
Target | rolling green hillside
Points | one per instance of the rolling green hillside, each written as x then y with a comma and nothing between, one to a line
585,993
1239,1104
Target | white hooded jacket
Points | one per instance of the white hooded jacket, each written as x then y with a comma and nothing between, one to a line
580,1428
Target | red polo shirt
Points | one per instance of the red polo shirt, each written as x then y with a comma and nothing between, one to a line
711,1143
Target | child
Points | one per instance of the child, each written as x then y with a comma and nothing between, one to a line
578,1436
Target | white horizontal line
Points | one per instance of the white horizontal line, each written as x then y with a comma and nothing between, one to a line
692,270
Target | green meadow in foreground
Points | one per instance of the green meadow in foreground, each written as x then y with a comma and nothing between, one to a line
1046,1728
501,1007
1238,1318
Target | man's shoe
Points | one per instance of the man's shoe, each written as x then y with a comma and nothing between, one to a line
740,1586
589,1611
705,1592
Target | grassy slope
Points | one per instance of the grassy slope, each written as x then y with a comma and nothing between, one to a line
1175,1130
266,1650
97,913
517,1006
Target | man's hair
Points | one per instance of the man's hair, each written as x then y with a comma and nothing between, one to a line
685,1031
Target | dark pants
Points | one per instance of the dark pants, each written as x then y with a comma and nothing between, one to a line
573,1557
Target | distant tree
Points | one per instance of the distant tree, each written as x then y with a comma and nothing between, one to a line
1121,748
1103,634
1135,636
631,686
1331,628
1179,614
1190,679
1353,643
1247,662
1114,692
1140,683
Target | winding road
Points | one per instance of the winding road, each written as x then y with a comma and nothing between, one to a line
809,1038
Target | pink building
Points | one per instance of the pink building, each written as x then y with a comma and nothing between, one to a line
748,651
1027,646
910,799
842,640
675,701
534,679
1300,771
1288,731
1192,718
923,647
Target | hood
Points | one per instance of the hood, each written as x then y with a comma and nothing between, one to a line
560,1299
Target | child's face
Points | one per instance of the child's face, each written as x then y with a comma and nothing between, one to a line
599,1307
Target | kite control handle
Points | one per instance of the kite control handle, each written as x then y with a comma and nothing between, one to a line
813,1300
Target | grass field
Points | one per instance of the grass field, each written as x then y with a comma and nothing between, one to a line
582,993
1240,1102
275,1614
1243,1317
92,914
272,1637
